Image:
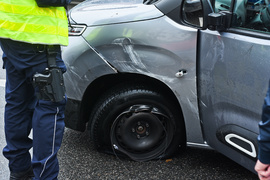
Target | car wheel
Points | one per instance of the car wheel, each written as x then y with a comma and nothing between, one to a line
137,121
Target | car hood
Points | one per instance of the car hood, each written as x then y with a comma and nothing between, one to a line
100,14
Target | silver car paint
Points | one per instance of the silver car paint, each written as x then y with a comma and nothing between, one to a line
113,13
233,79
150,50
82,70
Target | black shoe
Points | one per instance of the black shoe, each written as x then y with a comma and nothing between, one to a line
25,175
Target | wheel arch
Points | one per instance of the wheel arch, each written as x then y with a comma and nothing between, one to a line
101,84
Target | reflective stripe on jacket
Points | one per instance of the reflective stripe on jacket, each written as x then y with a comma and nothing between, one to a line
24,21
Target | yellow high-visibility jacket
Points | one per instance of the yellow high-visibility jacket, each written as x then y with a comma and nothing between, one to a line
23,20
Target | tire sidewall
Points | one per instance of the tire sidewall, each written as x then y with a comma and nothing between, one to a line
114,104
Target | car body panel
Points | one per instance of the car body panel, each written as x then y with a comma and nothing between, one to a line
143,48
82,70
112,13
232,86
147,49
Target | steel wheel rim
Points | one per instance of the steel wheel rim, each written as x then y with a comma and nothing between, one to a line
141,132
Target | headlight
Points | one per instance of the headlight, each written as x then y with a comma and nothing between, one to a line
76,30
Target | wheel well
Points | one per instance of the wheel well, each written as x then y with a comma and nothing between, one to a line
100,85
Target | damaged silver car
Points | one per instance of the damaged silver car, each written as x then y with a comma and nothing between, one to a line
148,78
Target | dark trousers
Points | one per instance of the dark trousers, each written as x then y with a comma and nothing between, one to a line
23,112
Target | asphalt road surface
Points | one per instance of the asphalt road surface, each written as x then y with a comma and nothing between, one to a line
80,161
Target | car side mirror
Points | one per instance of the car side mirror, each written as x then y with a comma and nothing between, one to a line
195,13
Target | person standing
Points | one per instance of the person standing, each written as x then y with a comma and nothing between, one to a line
263,163
29,36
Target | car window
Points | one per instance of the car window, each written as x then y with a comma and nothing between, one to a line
251,15
222,5
257,16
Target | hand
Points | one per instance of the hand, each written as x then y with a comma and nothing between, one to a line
263,170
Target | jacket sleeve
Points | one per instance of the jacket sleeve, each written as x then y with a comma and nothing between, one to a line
264,136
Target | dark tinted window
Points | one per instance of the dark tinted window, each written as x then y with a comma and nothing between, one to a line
254,15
